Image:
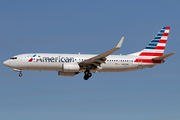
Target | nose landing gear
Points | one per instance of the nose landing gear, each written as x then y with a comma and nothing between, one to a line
87,74
17,70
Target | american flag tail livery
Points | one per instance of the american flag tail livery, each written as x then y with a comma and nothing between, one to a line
157,45
153,52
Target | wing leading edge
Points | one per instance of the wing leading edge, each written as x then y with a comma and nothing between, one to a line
99,59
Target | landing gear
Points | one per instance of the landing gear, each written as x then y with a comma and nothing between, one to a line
20,74
18,70
87,75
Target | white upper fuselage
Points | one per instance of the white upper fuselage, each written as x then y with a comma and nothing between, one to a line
54,62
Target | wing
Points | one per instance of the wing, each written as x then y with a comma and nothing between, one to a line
99,59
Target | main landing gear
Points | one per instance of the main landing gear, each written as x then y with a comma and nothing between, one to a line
87,74
20,74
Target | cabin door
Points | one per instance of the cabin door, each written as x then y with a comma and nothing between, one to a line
139,61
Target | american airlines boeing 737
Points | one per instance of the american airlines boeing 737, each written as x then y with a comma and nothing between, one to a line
72,64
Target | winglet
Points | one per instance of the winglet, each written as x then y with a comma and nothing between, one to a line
102,57
120,43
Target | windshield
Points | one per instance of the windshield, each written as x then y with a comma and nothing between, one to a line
13,58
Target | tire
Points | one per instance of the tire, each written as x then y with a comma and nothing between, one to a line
86,77
20,74
89,74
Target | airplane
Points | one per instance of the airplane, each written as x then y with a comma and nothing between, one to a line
73,64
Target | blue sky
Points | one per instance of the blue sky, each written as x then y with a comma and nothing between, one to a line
88,27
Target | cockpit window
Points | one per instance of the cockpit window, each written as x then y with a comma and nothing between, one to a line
13,58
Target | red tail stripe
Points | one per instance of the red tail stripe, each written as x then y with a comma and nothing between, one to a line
168,28
162,41
150,54
147,61
160,47
165,34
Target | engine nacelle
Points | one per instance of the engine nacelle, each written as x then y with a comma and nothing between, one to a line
60,73
70,67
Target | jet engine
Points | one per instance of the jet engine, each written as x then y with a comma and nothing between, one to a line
70,67
60,73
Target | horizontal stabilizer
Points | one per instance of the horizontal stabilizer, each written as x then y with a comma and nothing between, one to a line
163,57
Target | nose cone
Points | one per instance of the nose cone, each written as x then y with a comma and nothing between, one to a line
5,63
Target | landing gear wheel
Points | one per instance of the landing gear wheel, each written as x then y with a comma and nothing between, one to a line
87,75
20,74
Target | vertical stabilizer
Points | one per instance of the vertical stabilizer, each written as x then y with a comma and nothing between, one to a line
157,45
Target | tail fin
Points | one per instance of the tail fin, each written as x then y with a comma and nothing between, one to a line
157,45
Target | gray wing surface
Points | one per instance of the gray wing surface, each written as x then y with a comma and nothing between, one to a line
163,57
99,59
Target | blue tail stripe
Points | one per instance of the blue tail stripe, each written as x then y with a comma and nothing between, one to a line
162,31
152,44
157,38
159,34
150,47
155,41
